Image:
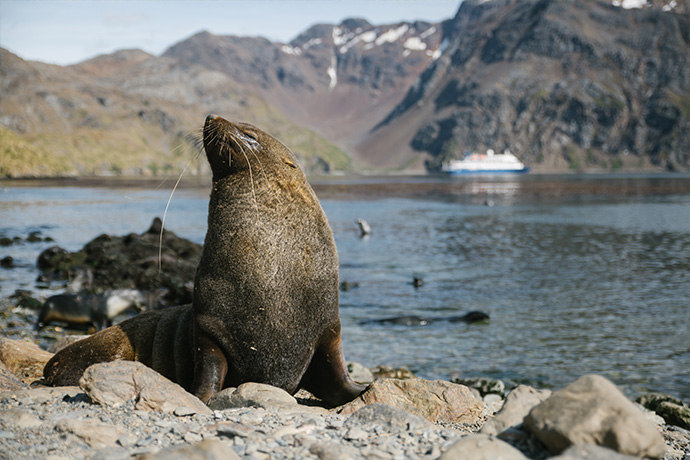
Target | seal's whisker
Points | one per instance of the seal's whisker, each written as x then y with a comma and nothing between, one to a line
251,176
258,160
165,213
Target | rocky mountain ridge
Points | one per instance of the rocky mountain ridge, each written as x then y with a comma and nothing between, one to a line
563,85
595,86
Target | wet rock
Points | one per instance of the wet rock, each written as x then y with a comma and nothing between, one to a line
93,433
388,372
434,400
25,360
673,410
24,299
35,237
485,386
348,285
590,452
130,262
7,262
117,382
211,449
482,447
592,410
517,405
55,260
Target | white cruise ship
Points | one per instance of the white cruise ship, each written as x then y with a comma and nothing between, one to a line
488,163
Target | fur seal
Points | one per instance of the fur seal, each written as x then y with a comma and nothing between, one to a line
265,305
89,310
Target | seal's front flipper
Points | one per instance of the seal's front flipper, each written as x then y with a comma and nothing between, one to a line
327,377
210,369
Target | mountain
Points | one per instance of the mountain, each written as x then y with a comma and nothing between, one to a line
564,85
339,79
589,85
129,113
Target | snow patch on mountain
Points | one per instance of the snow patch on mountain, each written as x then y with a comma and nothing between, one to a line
392,35
332,72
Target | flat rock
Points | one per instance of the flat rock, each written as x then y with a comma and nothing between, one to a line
19,418
92,432
381,418
590,452
517,405
24,359
332,451
435,400
117,382
42,395
260,395
9,381
592,410
211,449
482,447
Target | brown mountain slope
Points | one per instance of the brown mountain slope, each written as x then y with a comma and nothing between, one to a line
129,112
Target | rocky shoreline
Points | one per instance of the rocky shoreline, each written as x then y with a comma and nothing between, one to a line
125,410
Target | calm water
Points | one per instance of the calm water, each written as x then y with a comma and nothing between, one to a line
579,274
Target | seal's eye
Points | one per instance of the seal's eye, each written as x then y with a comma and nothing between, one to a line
250,136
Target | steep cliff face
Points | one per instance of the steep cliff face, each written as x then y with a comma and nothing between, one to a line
580,85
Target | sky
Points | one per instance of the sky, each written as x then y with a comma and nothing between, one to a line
69,31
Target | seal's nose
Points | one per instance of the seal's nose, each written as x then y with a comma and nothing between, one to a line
211,117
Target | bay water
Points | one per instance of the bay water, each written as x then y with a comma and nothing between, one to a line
579,274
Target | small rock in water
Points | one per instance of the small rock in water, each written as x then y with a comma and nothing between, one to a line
364,227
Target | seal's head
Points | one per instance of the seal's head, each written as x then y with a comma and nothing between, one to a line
238,147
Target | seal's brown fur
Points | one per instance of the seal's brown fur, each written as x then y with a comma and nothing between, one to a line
266,290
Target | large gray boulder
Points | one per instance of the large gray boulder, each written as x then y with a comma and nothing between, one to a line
592,410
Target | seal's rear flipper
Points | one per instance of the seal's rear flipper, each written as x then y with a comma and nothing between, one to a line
327,377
